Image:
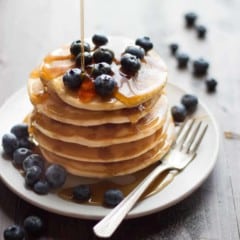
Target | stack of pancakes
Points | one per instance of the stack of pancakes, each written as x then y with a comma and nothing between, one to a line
104,137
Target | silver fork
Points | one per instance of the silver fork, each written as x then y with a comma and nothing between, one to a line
181,154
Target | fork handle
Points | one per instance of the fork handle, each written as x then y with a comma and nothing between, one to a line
111,221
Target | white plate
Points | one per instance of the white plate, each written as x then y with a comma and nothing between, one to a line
18,105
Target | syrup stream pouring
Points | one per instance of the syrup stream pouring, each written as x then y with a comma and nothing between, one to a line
82,34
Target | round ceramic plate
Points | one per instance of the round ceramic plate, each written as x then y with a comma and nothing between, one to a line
18,106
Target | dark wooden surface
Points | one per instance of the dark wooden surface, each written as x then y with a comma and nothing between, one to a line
29,29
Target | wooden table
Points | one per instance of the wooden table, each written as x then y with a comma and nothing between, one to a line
30,29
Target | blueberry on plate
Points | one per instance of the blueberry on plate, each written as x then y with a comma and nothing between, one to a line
190,102
87,59
112,197
72,79
179,113
32,175
20,154
201,31
33,160
55,175
9,143
130,64
200,67
211,85
145,43
75,47
190,19
173,48
99,40
105,85
41,187
101,68
33,225
182,59
25,143
20,130
103,55
14,232
81,193
137,51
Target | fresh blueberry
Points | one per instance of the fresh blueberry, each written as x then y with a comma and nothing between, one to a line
81,192
9,143
73,78
101,68
56,175
99,40
190,19
41,187
211,84
179,113
33,160
173,48
33,225
182,59
20,154
137,51
105,85
14,232
103,55
20,130
130,64
145,43
190,102
75,47
200,67
25,143
112,197
87,59
201,31
33,174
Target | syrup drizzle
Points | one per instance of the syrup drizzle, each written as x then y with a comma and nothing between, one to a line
82,34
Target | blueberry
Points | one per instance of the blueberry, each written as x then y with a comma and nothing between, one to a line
173,48
179,113
33,225
33,160
99,40
190,19
137,51
25,143
130,64
56,175
190,102
81,192
75,47
14,232
113,197
101,68
20,154
211,84
182,59
145,43
73,78
87,59
41,187
200,67
9,143
103,55
33,174
105,85
201,31
20,130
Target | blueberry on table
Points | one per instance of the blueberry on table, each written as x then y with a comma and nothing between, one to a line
105,85
25,143
87,58
182,59
9,143
14,232
130,64
99,40
145,43
32,175
101,68
179,113
190,102
137,51
81,193
201,31
33,160
200,67
33,225
20,154
190,19
41,187
112,197
72,79
75,47
103,55
173,48
20,130
211,84
55,175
